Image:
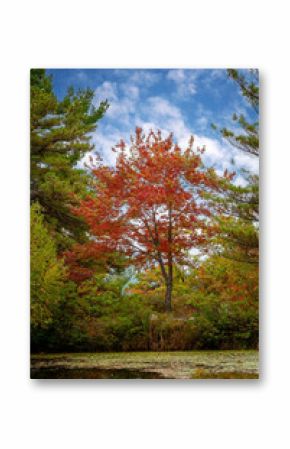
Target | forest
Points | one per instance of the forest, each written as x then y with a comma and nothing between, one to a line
158,252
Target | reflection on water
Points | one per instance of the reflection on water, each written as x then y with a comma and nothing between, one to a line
91,373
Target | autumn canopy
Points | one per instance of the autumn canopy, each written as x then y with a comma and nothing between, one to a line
150,205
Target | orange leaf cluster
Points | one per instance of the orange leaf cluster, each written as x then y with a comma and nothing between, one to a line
149,205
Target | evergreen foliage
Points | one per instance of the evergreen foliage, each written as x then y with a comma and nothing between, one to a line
60,135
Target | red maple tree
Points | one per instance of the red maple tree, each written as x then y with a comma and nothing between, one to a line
150,205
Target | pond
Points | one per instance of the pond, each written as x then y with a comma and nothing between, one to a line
147,365
90,373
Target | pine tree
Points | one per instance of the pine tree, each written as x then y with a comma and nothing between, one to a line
239,206
237,214
248,139
60,136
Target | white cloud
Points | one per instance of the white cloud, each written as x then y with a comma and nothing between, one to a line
130,90
160,108
179,129
202,122
225,156
176,75
247,161
103,145
217,74
214,151
107,90
143,77
122,100
240,181
139,77
128,110
185,81
148,126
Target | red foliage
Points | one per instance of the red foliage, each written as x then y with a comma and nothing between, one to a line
149,206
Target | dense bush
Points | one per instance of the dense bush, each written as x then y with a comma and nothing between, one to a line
96,317
226,304
221,325
213,309
47,276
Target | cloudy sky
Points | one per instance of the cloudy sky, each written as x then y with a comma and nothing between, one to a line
184,102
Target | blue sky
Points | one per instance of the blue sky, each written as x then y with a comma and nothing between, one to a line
185,102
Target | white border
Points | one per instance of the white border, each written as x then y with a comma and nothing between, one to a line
206,414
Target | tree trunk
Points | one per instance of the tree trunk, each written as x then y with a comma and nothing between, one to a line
169,281
168,296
